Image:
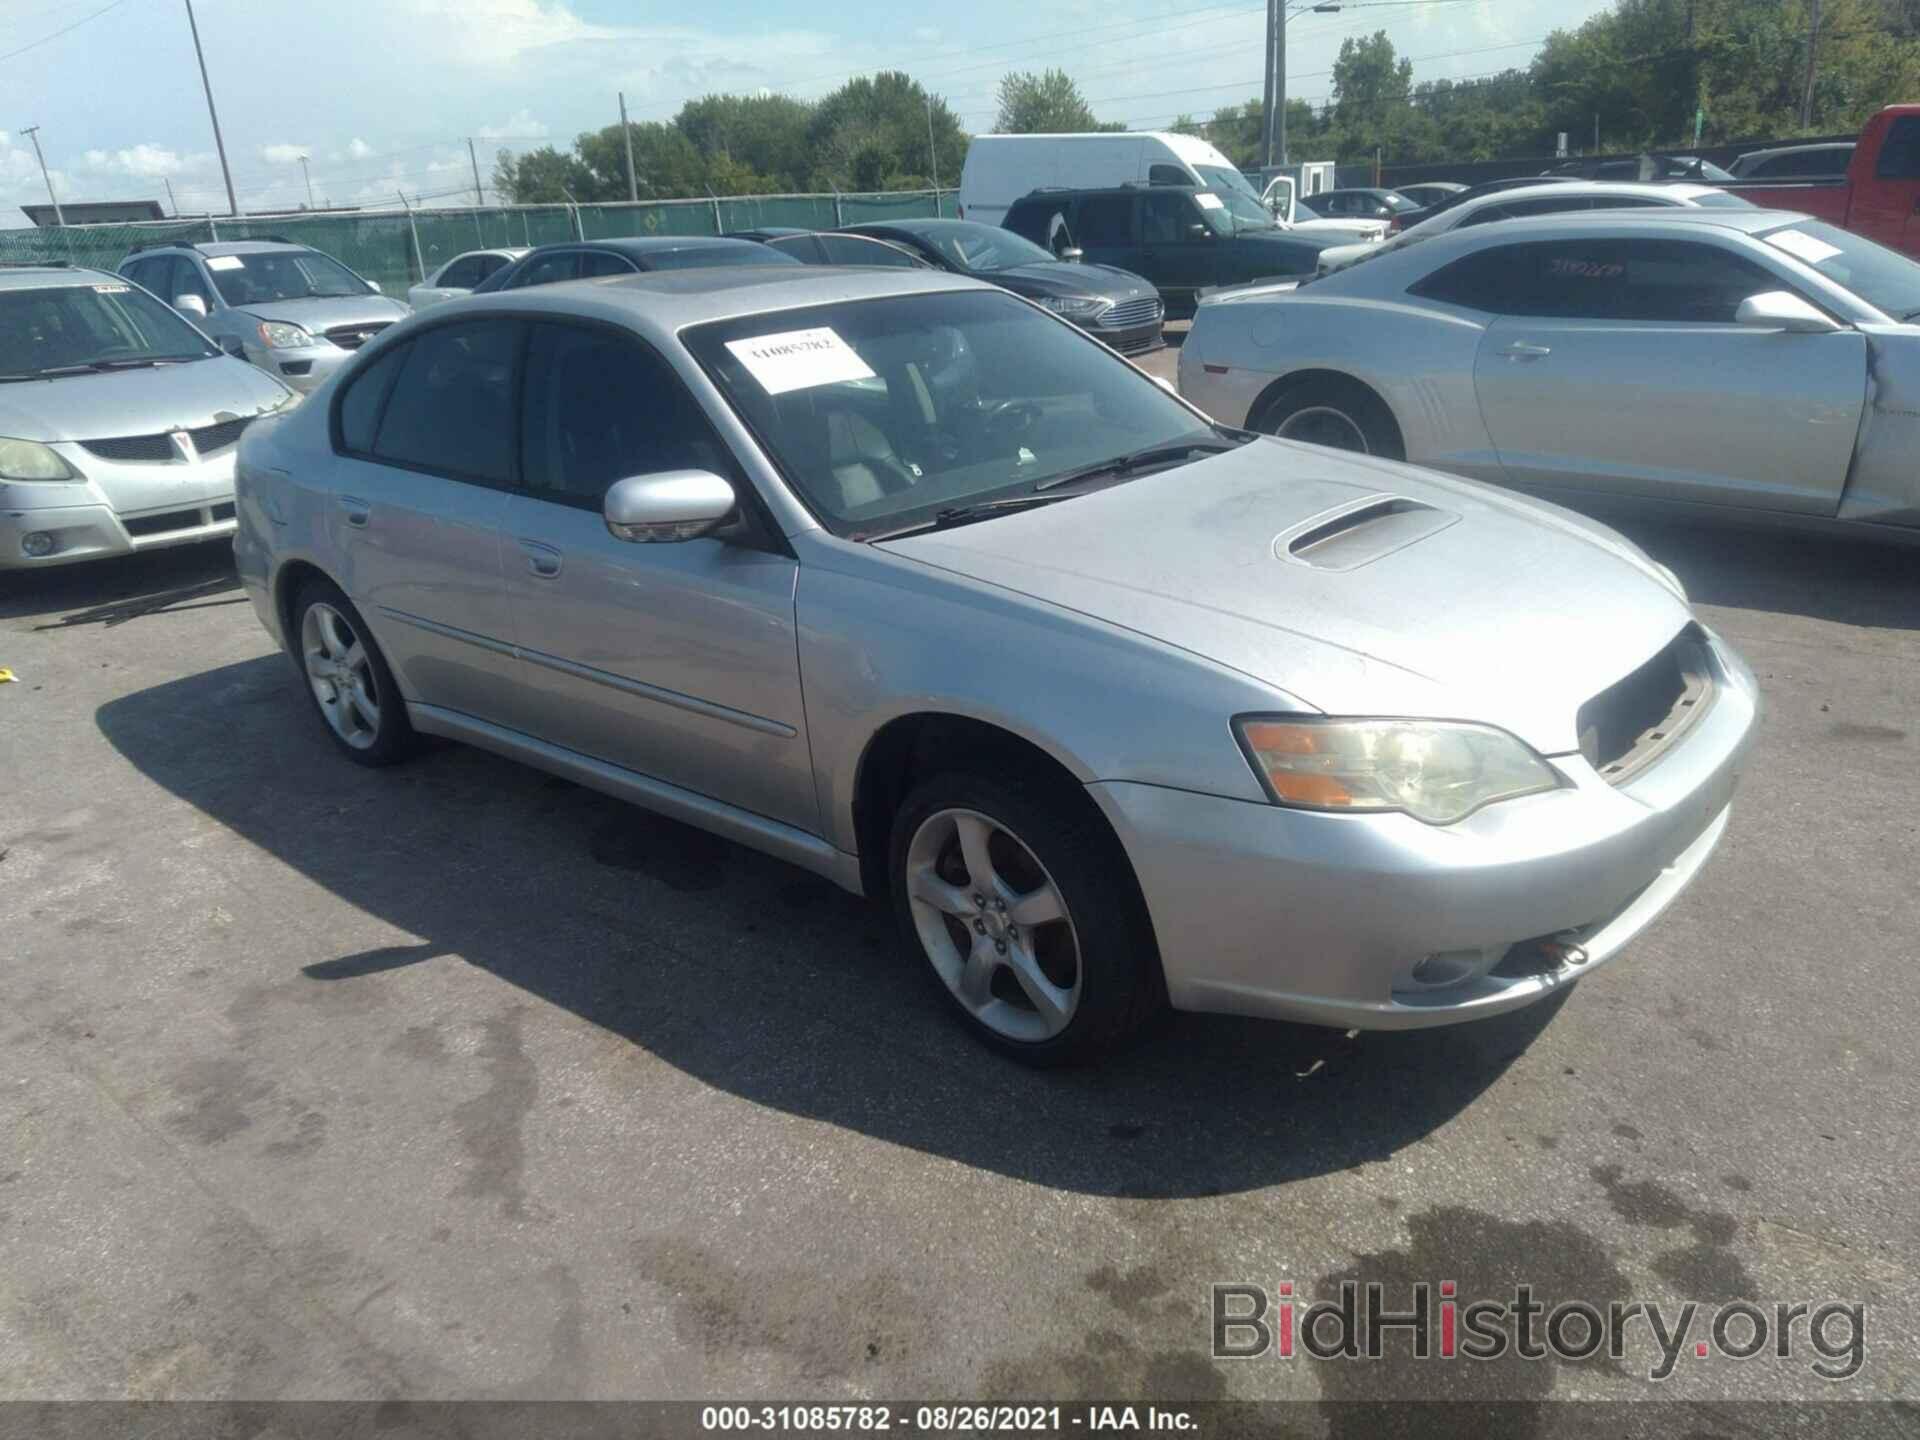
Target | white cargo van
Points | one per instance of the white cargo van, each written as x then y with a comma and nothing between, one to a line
1002,168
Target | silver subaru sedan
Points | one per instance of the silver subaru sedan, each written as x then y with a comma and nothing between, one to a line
897,577
118,420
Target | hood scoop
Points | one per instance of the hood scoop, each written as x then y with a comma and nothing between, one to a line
1360,532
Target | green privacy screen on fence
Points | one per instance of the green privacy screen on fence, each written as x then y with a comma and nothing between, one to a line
381,245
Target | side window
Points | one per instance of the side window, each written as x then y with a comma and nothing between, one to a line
1900,155
1029,220
485,265
1483,281
547,269
451,410
184,278
1483,216
1108,219
1164,217
1168,175
600,407
603,262
358,413
463,274
804,248
1649,280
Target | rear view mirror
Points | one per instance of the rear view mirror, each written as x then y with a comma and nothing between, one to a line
1783,310
667,507
191,305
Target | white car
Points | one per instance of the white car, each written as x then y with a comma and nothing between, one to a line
460,274
1280,198
1710,361
1550,199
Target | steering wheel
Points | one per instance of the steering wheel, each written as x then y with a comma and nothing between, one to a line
1017,415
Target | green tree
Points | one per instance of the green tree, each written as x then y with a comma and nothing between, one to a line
1047,103
542,176
872,134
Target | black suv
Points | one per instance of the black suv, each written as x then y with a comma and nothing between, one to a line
1184,238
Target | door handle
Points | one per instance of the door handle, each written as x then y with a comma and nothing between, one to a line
1522,350
357,510
542,560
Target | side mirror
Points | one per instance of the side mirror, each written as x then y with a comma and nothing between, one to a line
374,286
1167,385
1783,310
234,346
1073,254
671,506
191,305
1199,232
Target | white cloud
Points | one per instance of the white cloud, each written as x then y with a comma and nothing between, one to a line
520,125
145,162
358,149
283,154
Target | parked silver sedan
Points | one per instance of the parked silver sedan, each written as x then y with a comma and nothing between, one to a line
897,577
459,275
1702,361
118,420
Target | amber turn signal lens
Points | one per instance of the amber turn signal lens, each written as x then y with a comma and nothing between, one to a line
1273,738
1320,790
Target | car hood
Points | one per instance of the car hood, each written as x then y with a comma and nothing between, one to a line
136,402
323,312
1435,597
1057,277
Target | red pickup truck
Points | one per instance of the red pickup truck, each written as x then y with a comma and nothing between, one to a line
1880,198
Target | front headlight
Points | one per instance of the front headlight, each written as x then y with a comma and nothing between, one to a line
1074,307
1438,771
30,460
280,335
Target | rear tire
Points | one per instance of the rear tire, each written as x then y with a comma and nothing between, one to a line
1022,906
347,678
1337,413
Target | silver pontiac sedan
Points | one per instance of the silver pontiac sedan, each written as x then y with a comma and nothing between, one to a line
897,577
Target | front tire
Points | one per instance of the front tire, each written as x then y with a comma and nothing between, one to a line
347,677
1022,904
1339,414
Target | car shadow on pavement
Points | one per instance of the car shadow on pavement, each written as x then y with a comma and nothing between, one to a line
761,979
1845,581
113,591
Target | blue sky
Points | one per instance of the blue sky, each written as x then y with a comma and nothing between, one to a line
381,94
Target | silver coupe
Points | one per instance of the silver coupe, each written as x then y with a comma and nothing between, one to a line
902,579
1708,362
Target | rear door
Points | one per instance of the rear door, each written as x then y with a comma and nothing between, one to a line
547,269
425,436
1887,207
1615,365
1104,228
1179,250
678,661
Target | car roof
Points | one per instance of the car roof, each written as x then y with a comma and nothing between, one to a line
1622,188
1772,151
35,276
664,301
1748,222
648,244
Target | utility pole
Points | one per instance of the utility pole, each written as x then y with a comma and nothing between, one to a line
626,133
172,204
304,175
233,205
1274,122
933,157
1813,51
32,132
479,195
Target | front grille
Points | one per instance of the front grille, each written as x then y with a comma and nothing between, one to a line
133,447
1632,723
223,511
209,438
352,337
161,524
1129,313
1138,344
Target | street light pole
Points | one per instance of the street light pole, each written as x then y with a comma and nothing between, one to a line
626,133
304,175
933,158
32,132
1276,116
233,205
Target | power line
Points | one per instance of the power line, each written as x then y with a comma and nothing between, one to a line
49,39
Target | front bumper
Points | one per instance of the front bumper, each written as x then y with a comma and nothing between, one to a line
303,368
1296,915
1135,339
118,509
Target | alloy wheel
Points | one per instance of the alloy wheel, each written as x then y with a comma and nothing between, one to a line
994,924
340,670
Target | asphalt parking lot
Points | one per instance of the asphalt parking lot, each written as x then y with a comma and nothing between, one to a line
456,1080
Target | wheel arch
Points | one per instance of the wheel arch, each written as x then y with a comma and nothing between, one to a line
287,581
1310,374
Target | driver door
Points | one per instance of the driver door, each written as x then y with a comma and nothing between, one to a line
678,661
1179,250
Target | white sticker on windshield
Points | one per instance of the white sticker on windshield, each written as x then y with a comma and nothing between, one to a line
1802,246
799,360
1210,202
225,262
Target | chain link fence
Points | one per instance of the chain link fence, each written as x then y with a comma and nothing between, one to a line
398,248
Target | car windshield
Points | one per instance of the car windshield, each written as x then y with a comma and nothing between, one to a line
884,413
1888,281
980,249
700,257
281,275
1395,201
1242,212
1225,178
103,326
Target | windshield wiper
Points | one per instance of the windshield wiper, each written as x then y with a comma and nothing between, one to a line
965,515
1138,460
52,372
139,362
